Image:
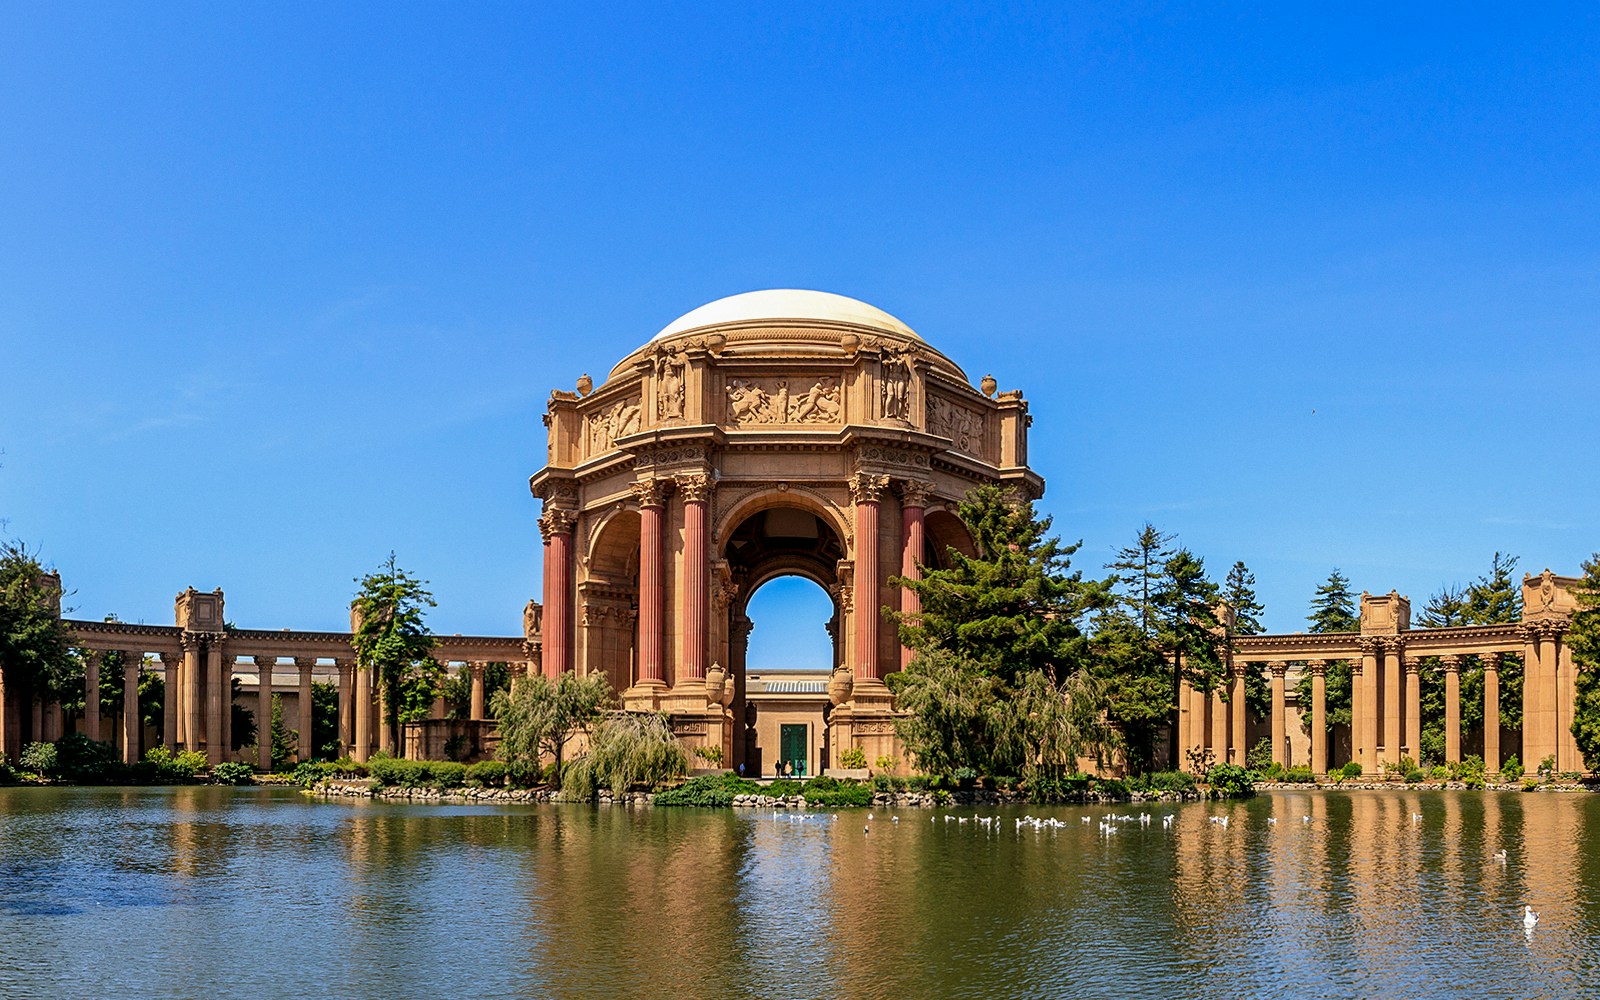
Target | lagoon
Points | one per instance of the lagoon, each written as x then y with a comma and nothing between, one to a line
221,892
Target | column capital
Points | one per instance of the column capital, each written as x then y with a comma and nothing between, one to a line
1451,663
1318,668
264,662
1491,661
651,492
1278,667
305,662
557,521
694,487
866,488
344,663
1413,664
1369,646
915,492
192,642
477,666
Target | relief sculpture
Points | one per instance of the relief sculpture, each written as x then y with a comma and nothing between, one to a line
963,427
896,385
669,384
606,425
767,401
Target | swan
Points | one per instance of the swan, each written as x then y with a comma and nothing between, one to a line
1166,822
1272,821
1529,918
1500,855
1305,819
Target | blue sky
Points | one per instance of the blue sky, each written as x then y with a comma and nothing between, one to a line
284,287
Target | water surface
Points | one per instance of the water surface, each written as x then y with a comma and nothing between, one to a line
218,892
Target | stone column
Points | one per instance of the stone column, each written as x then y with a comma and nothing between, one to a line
171,698
1240,730
264,666
738,649
1185,723
362,709
557,523
913,506
1452,707
1411,745
1533,706
1280,731
307,748
1319,716
1219,726
696,592
194,724
218,698
1392,736
652,494
475,671
91,693
866,491
347,693
1568,758
132,664
1491,711
1365,695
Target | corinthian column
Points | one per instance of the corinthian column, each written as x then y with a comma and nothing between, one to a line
171,697
556,524
194,725
696,493
1452,707
91,693
1280,729
362,709
1319,717
652,497
1239,726
1412,744
347,695
475,705
264,666
307,749
1491,711
132,663
866,491
913,504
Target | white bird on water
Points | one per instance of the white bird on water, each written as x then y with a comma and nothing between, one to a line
1529,918
1416,818
1166,821
1272,821
1500,855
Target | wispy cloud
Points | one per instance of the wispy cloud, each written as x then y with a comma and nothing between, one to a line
1528,522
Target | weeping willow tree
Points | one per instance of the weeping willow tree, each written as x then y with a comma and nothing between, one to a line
626,750
537,717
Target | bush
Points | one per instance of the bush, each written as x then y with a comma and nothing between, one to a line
395,772
233,773
627,751
1299,775
918,783
1473,781
40,758
886,763
448,774
882,783
1414,775
1049,785
308,773
1230,781
1439,773
7,775
85,761
489,773
1259,757
1547,766
1180,782
852,758
1274,772
1530,785
183,766
710,754
711,790
842,793
1112,788
1512,769
1431,751
964,776
1352,769
1470,766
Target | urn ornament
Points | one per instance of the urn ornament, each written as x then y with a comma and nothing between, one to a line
840,685
988,385
585,384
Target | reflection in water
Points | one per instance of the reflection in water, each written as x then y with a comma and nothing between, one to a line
223,892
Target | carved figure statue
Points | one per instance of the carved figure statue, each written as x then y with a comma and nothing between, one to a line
608,425
748,403
819,405
669,383
896,385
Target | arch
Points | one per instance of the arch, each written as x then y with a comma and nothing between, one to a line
784,625
767,498
943,530
608,598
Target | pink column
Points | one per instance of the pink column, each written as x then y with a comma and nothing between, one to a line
264,666
557,524
91,693
132,727
652,495
306,748
866,491
914,502
696,493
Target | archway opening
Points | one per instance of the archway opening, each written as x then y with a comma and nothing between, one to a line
790,618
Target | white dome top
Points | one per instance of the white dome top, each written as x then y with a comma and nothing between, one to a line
786,304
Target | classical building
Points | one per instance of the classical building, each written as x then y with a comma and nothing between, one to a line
766,434
797,433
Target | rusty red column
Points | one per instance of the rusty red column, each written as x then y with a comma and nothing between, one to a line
652,499
557,524
695,490
913,504
866,491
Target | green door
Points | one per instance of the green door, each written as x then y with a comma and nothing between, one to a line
792,748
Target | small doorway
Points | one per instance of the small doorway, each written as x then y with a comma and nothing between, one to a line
792,748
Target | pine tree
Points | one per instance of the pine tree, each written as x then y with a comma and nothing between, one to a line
1239,590
1139,568
1583,638
1333,609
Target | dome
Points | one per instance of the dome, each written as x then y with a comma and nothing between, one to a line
786,304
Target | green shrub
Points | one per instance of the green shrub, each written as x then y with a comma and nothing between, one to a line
885,763
1180,782
1230,781
1352,769
7,775
852,758
308,773
1414,775
184,765
85,761
1474,781
397,772
627,750
1439,773
821,783
783,788
1431,751
1547,765
964,777
1530,784
40,758
1512,769
232,772
711,790
882,783
842,793
1300,775
1274,772
1112,788
447,773
1050,785
710,754
918,783
1259,757
489,773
